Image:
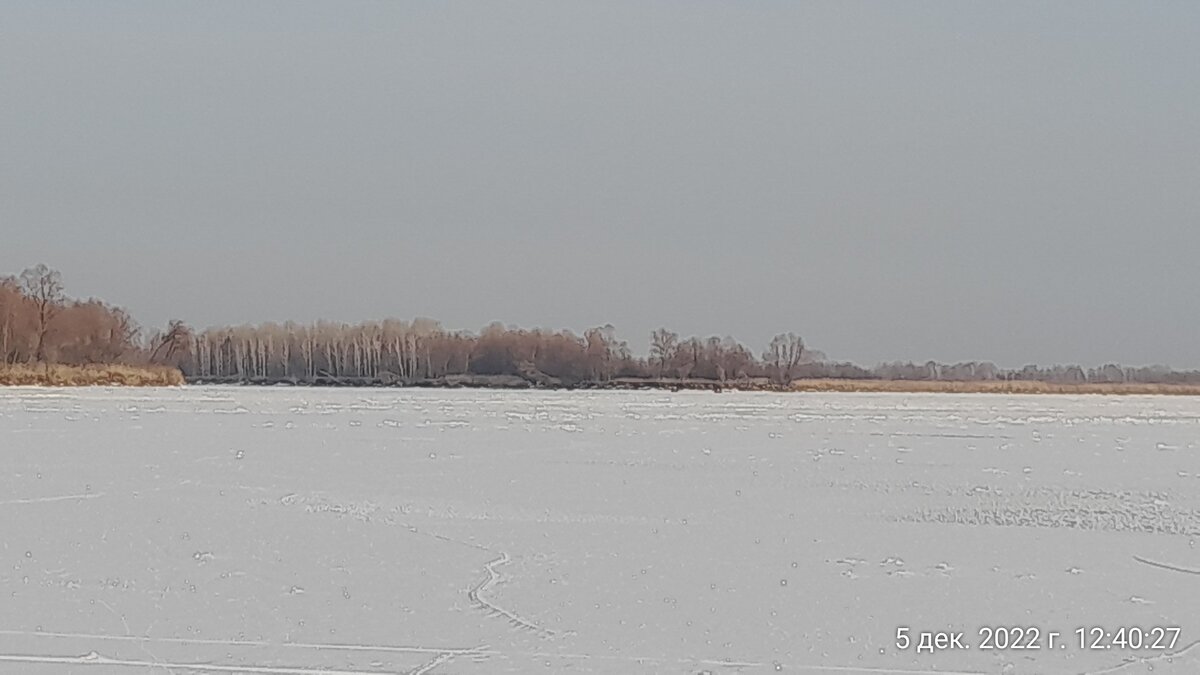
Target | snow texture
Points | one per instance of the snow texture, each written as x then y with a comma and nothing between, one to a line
303,531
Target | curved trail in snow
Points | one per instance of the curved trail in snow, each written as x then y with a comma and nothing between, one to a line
478,598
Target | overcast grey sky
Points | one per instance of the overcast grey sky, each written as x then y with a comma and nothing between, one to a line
893,180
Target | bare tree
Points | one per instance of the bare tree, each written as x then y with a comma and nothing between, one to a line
663,346
44,287
784,354
601,352
175,342
12,302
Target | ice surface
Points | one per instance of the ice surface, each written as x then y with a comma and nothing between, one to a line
241,530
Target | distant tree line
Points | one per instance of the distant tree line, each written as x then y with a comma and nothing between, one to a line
403,351
39,324
394,351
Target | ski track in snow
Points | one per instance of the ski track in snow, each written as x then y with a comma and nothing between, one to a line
477,594
477,597
94,659
436,661
203,642
1166,566
47,500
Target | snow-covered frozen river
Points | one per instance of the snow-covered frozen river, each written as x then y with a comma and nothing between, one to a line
231,530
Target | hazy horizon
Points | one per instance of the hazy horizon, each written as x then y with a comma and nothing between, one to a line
1007,182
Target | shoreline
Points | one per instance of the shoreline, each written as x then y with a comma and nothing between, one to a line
162,376
848,386
1028,387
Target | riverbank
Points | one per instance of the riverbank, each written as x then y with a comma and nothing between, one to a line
40,375
996,387
758,384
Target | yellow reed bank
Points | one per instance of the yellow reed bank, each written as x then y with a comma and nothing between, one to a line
55,375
